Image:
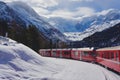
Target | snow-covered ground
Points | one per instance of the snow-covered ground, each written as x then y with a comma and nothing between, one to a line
18,62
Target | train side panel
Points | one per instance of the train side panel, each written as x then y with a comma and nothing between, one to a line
76,54
110,59
45,52
55,53
66,53
88,56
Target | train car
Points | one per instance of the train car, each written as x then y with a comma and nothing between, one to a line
55,53
45,52
76,54
61,53
109,57
85,54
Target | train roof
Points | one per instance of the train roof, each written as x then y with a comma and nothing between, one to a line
56,49
82,49
109,48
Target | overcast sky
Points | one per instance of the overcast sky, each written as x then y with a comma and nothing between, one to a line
70,8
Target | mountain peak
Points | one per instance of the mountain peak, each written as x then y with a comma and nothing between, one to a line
2,2
96,23
109,11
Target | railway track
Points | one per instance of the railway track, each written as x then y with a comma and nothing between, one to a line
108,74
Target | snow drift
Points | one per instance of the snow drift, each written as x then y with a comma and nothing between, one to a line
18,62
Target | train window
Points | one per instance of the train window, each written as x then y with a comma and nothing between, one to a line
106,55
93,54
112,56
99,54
76,53
61,53
66,52
47,52
85,53
117,56
103,55
54,53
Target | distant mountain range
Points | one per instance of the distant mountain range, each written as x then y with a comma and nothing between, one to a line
96,23
62,24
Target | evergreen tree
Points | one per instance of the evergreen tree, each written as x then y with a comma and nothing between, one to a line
3,27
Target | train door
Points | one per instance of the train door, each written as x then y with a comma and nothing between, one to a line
115,56
76,54
119,56
80,53
54,53
60,53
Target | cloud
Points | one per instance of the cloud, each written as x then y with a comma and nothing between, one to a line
61,13
39,3
69,8
83,0
81,11
44,3
41,11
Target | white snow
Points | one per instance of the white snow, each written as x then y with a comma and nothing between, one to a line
18,62
78,36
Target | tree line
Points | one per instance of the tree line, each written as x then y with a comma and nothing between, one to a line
30,36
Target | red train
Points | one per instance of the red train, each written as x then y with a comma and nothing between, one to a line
108,57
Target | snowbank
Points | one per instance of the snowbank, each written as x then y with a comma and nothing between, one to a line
18,62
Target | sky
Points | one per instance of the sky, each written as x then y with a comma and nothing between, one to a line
70,8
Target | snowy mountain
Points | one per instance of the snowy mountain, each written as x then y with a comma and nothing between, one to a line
64,25
105,38
23,15
18,62
96,23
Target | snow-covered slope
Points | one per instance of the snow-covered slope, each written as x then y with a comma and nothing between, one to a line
98,19
23,15
105,38
96,23
18,62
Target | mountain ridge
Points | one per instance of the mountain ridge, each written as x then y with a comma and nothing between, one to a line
24,25
24,15
96,23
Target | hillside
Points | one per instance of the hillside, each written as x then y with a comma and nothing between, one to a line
18,19
108,37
